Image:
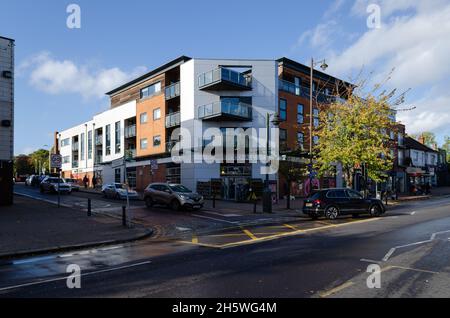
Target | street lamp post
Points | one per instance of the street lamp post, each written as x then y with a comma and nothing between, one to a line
323,66
267,193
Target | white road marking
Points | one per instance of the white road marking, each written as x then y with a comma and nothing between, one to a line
210,218
219,214
413,213
389,254
64,278
371,261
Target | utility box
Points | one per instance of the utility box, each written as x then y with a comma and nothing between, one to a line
6,120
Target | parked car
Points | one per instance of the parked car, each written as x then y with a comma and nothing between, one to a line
118,191
50,184
73,183
33,180
175,196
28,180
332,203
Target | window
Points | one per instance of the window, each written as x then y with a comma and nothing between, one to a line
316,117
283,135
66,159
316,140
392,135
117,136
300,139
300,114
90,144
65,142
151,90
354,195
337,194
400,139
400,158
83,136
144,143
157,114
143,118
283,109
298,83
156,141
108,139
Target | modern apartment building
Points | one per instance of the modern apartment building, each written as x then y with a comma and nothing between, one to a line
6,120
195,95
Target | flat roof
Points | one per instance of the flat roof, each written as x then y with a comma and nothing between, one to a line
3,37
156,71
307,70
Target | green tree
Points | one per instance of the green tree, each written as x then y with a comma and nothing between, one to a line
356,132
40,160
446,147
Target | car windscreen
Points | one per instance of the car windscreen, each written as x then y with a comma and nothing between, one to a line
179,188
55,180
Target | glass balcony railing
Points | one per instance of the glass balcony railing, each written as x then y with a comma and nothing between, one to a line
235,110
130,131
224,75
302,91
173,120
99,140
172,91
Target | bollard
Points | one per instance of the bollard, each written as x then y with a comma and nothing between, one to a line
124,216
89,209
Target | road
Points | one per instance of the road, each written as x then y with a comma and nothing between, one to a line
294,259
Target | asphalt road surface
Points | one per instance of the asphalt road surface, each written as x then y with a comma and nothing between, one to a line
410,246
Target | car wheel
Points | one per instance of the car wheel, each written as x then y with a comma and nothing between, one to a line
149,202
375,210
331,213
175,205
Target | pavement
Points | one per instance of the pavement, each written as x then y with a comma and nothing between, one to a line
319,259
36,227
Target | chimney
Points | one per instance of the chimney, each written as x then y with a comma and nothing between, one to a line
422,139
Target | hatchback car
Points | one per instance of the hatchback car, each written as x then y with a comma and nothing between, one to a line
118,191
175,196
332,203
51,184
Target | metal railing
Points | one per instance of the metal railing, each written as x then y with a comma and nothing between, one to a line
236,109
224,74
303,91
173,120
130,131
172,91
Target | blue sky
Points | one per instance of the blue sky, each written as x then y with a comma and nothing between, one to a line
62,74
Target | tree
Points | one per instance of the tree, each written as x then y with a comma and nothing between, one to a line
429,138
446,147
40,160
356,133
22,165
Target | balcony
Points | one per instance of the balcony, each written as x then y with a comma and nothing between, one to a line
172,91
75,164
226,110
130,153
224,79
130,131
173,120
99,140
75,146
98,159
302,91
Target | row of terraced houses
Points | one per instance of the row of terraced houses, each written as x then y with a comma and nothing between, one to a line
197,94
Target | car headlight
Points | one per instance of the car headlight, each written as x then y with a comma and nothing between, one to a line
184,197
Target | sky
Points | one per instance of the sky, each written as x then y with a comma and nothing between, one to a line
62,74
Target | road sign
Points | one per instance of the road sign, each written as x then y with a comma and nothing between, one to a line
55,161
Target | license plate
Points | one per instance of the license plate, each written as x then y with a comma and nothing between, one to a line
309,205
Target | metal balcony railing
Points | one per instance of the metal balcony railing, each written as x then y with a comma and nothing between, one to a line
173,120
303,91
172,91
237,110
224,75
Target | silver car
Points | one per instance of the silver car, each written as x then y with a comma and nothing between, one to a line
118,191
73,183
175,196
51,184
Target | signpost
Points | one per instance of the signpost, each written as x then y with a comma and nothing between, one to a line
56,163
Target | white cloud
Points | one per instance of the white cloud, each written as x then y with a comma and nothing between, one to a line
54,76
